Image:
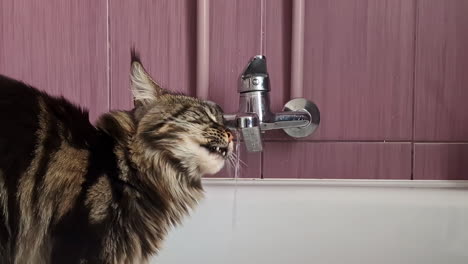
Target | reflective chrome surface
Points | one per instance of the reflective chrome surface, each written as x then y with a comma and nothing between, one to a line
302,105
255,76
256,102
299,119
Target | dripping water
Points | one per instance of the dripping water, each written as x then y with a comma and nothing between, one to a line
237,157
237,166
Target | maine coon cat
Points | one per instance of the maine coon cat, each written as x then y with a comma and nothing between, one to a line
71,192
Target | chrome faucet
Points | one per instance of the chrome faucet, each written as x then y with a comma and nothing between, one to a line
299,118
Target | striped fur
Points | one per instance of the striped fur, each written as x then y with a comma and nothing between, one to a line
71,192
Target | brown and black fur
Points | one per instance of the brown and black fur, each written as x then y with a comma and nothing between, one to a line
71,192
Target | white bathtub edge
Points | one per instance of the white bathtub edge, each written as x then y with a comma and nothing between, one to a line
337,183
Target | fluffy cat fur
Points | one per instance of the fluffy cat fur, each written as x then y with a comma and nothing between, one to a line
71,192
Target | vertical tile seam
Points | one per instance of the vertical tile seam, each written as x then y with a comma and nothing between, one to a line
109,90
413,109
262,52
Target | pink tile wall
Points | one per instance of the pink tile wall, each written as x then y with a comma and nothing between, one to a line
359,65
441,161
337,160
359,70
164,32
235,27
57,46
441,88
364,62
379,70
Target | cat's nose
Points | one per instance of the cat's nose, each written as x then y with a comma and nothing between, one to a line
229,136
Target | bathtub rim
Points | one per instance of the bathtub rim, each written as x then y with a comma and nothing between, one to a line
438,184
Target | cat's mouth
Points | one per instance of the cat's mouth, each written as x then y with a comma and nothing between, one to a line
222,151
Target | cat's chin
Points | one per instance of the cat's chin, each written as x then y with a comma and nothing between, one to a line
211,167
206,162
212,163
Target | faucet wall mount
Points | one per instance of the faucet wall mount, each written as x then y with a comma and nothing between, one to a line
300,117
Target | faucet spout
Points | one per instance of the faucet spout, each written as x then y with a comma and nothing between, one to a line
249,126
299,118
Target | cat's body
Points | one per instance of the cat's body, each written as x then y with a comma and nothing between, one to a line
74,193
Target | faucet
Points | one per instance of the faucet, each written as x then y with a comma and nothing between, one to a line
299,117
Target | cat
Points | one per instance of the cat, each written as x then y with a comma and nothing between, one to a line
71,192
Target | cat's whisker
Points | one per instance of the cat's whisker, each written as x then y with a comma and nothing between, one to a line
236,157
232,164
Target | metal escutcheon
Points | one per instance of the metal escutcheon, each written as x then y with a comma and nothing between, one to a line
301,104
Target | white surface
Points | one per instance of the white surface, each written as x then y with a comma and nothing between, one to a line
324,222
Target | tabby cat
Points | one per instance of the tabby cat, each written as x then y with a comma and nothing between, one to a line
71,192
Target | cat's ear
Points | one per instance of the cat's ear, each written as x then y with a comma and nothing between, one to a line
144,89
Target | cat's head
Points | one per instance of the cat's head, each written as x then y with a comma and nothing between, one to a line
187,129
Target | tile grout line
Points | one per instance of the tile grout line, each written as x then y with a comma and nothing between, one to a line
369,141
263,4
109,91
413,123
